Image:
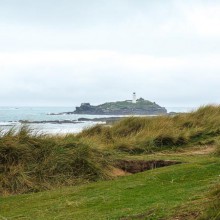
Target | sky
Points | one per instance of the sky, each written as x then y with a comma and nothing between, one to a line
62,53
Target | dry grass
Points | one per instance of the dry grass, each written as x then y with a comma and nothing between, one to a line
149,134
32,162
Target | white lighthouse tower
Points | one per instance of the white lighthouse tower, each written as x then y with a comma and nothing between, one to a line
134,98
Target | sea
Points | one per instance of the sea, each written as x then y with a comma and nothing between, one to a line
10,117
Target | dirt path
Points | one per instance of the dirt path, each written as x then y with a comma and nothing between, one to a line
198,150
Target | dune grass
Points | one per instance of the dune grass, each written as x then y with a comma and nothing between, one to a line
33,162
150,134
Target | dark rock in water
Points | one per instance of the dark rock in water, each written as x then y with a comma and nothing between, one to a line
108,120
61,113
55,113
141,107
7,125
50,122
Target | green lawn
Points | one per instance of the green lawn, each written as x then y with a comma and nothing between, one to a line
155,194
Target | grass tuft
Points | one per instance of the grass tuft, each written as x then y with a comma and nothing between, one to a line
30,162
150,134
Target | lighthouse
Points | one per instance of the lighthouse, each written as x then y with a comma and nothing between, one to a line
134,98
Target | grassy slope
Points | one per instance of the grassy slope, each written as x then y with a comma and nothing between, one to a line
151,134
155,194
180,190
33,163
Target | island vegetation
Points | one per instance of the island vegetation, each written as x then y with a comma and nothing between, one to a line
112,172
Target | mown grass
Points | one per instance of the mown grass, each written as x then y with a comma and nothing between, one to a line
213,210
166,193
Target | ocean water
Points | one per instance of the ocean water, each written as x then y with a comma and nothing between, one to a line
10,116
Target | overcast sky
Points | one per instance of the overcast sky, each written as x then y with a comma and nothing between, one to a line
62,53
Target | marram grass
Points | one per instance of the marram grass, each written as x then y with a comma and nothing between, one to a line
150,134
30,163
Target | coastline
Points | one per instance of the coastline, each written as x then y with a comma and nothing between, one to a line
41,118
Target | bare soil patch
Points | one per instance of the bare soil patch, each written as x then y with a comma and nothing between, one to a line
136,166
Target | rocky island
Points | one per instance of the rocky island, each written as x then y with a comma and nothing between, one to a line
116,111
139,107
